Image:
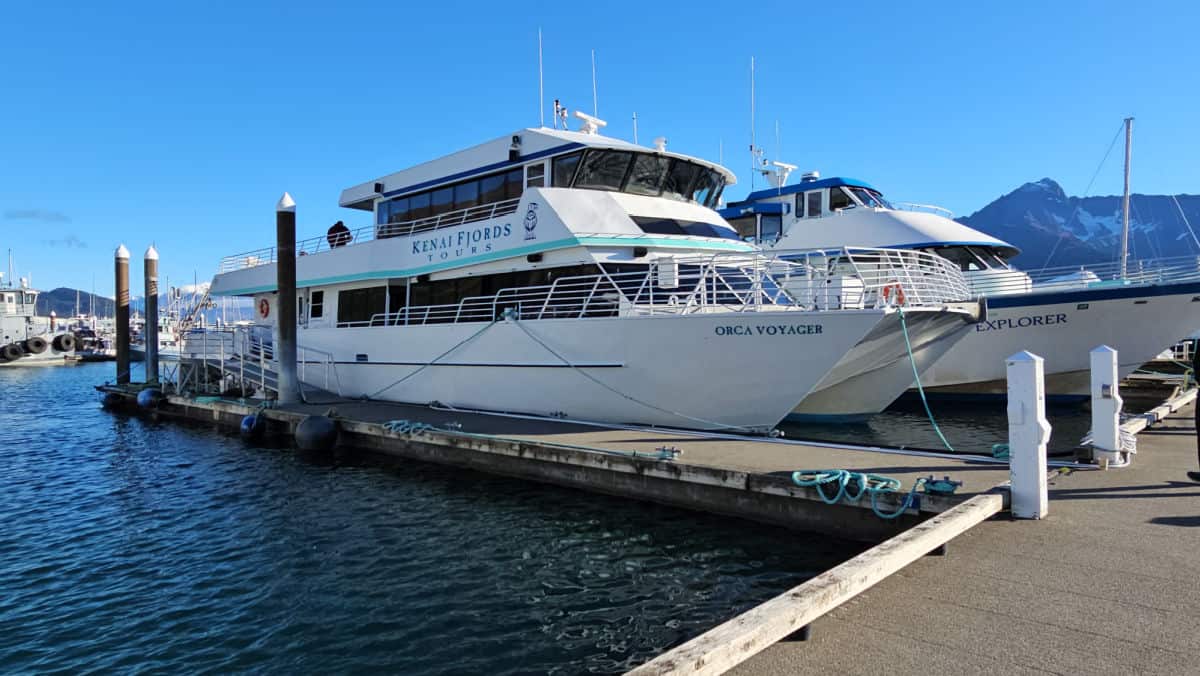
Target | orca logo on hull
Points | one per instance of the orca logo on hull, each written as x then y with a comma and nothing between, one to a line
531,221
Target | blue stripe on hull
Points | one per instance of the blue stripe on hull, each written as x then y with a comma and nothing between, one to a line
1093,294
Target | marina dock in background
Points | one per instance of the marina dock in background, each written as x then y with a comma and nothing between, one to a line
1079,584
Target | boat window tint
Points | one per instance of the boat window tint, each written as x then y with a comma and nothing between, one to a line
491,188
838,199
746,227
647,175
680,179
535,175
867,197
362,305
316,304
442,201
514,184
674,226
705,186
603,170
564,169
418,206
399,211
772,228
466,195
989,257
962,257
814,204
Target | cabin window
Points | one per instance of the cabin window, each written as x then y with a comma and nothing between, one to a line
362,307
706,188
466,195
647,175
418,206
673,226
772,228
442,201
964,258
604,170
535,175
513,184
870,198
746,227
491,189
814,204
680,179
316,304
838,199
564,169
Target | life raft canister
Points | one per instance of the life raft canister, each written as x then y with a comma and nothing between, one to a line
264,308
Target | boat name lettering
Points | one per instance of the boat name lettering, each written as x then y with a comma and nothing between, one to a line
769,330
1021,322
461,243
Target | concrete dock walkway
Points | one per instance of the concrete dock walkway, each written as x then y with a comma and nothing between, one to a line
1109,583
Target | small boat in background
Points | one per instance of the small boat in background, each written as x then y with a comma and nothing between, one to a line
27,339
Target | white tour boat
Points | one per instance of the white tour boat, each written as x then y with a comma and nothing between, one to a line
568,274
1060,313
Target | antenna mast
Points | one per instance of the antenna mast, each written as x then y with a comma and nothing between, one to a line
541,89
635,127
1125,201
752,148
595,104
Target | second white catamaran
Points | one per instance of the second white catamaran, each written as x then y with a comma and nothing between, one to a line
568,274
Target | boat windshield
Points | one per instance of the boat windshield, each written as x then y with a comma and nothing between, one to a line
870,198
639,173
964,257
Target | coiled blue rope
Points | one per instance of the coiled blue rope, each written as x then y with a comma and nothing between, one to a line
865,483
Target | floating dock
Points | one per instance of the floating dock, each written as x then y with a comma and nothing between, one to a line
1080,584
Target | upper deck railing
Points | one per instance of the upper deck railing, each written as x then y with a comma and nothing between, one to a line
923,208
726,282
1072,277
337,239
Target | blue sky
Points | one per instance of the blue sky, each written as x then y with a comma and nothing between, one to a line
182,124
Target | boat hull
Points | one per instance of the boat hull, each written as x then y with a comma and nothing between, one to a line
879,370
700,371
1063,327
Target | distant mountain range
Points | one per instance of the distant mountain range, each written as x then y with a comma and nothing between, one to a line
1041,220
62,302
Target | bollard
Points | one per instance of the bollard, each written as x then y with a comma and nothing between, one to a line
1106,407
122,296
285,280
151,333
1028,432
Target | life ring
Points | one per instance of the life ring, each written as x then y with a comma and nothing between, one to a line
264,308
893,290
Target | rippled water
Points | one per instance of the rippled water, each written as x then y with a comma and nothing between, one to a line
131,545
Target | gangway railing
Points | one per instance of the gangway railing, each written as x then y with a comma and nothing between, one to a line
246,354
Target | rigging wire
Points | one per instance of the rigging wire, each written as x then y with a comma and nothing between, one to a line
1086,191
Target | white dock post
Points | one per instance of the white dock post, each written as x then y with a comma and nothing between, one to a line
1028,432
1106,407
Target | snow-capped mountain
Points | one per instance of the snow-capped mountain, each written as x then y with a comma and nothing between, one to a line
1041,220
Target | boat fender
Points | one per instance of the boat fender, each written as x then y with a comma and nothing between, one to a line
316,433
36,345
63,342
110,400
11,352
253,426
150,398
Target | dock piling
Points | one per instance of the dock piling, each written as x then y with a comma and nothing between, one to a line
1028,432
151,335
122,297
285,279
1106,406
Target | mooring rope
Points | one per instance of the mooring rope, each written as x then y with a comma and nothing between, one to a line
917,377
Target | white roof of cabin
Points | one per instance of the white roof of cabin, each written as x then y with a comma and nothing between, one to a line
493,156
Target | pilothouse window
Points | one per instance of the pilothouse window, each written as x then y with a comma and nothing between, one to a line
603,170
838,199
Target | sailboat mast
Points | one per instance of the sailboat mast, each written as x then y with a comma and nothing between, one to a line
1125,201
